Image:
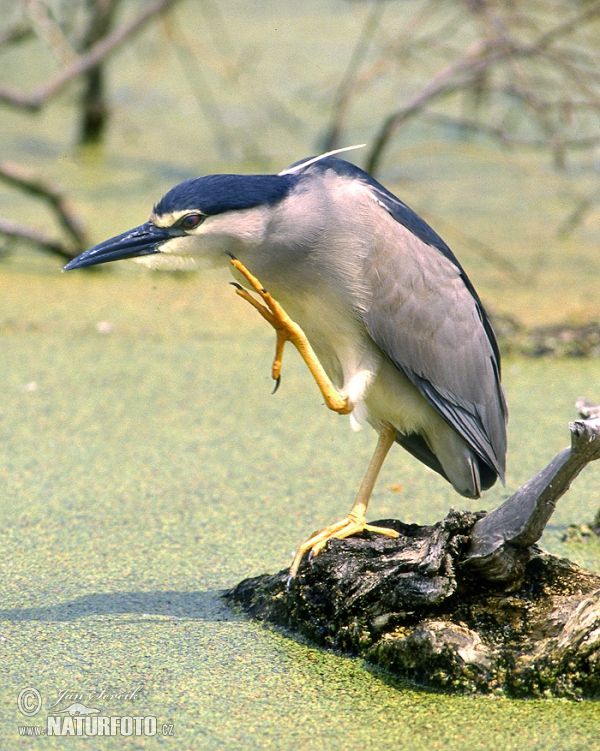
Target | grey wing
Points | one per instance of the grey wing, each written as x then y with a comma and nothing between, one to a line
424,314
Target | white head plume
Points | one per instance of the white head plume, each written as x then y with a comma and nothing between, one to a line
302,165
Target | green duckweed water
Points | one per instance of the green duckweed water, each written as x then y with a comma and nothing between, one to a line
145,465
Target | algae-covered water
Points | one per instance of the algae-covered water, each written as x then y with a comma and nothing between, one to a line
145,465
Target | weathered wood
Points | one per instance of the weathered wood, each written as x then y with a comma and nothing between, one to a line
501,540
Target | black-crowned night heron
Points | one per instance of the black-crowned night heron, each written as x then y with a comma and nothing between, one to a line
375,301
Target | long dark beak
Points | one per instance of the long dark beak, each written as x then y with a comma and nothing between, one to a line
141,241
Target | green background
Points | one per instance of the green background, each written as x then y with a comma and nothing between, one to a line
144,464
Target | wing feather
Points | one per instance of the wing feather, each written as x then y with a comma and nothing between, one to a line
424,313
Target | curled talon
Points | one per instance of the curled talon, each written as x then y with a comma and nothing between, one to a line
288,330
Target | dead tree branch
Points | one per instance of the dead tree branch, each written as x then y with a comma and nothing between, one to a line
50,31
342,96
38,238
97,54
28,181
16,33
515,58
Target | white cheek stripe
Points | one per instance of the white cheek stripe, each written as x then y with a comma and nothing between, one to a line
168,220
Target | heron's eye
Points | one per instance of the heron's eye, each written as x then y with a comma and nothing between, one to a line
191,221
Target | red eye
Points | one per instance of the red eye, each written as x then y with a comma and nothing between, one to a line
191,221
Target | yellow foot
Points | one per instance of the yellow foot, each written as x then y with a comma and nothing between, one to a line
288,330
347,527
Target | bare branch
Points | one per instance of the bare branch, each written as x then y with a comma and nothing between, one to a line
577,216
50,31
566,28
495,47
15,34
501,135
43,241
96,55
344,89
201,90
440,86
28,181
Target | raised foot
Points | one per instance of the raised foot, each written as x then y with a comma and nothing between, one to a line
347,527
288,330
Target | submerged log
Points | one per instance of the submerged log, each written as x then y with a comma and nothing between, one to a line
467,604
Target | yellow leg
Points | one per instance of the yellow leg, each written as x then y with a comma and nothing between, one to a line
355,521
289,331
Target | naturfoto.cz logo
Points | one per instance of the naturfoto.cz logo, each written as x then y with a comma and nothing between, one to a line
79,719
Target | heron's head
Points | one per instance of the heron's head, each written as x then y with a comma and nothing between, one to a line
196,221
200,220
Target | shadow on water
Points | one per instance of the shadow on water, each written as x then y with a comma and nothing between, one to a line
202,606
